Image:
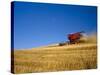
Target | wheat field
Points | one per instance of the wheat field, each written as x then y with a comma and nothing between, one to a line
56,58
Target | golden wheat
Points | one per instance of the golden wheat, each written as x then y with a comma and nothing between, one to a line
57,58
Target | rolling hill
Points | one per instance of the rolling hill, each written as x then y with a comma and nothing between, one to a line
57,58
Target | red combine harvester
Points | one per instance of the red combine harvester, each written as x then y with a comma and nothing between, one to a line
75,37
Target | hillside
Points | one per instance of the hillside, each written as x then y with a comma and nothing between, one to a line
56,58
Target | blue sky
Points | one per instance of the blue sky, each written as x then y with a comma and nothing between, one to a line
39,24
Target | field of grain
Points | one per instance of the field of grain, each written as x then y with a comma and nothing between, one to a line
56,58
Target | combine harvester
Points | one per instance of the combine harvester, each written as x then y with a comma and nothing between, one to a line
73,38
